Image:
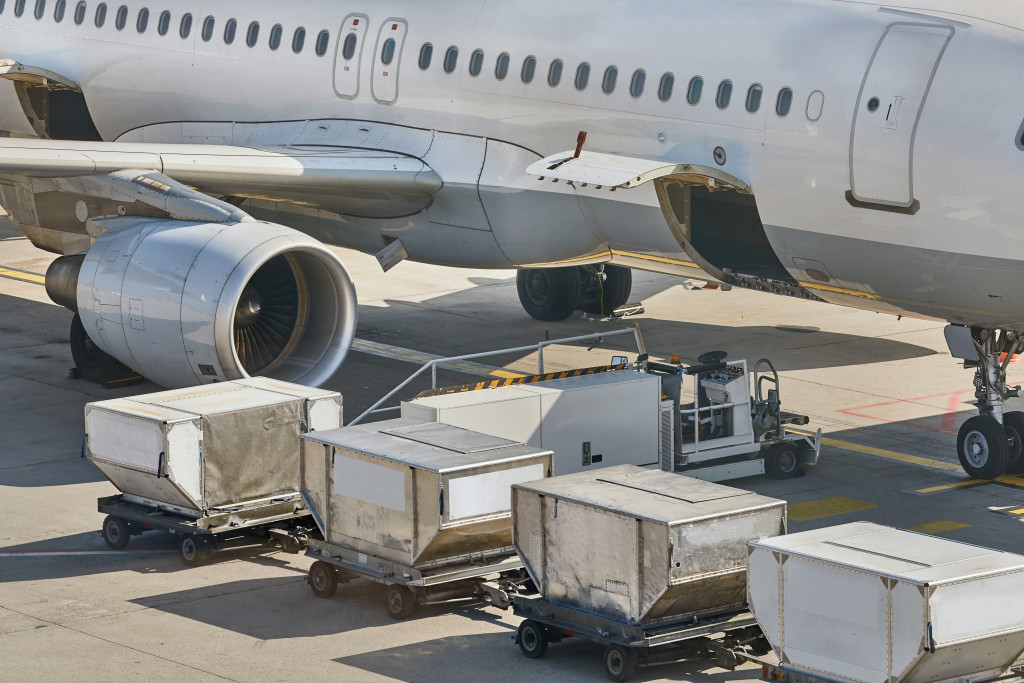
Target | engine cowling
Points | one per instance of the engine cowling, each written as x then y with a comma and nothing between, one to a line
188,303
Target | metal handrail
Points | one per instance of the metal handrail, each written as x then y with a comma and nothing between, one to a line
711,407
538,347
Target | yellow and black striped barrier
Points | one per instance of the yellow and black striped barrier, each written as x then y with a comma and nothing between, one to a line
512,381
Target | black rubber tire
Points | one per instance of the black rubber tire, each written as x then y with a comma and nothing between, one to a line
982,447
601,296
549,294
619,662
399,601
1013,423
532,639
116,532
193,550
322,579
782,461
94,364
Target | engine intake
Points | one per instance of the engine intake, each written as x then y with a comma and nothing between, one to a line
187,303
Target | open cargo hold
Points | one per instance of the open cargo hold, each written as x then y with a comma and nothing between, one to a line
588,422
416,493
863,602
638,546
200,450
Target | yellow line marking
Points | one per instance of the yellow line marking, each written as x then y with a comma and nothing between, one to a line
827,507
22,275
892,455
658,259
938,527
505,374
609,254
1018,511
957,485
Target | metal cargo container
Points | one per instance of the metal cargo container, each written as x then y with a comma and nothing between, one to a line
640,546
863,602
588,422
194,450
416,493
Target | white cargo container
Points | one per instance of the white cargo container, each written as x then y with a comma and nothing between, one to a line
862,602
198,449
588,422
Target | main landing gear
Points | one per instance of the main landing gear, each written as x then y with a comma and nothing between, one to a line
990,443
552,294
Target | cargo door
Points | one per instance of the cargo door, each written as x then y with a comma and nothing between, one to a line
349,55
386,61
889,108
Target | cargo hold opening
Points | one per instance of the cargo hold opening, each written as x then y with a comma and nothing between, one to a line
54,105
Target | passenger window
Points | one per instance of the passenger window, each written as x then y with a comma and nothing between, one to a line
582,76
387,53
80,13
323,41
298,40
724,95
426,54
555,73
611,74
121,18
636,84
668,81
101,13
348,48
40,9
275,36
164,25
501,66
229,31
143,20
784,102
208,28
754,98
694,90
2,4
58,10
529,69
253,34
19,7
451,59
476,63
185,29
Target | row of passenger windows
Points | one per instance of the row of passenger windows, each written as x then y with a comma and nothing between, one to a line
163,25
609,80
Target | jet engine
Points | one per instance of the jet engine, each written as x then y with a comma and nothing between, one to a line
187,303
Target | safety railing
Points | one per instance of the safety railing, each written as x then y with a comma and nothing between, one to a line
432,365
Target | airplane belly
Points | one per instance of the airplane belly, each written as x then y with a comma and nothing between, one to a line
904,280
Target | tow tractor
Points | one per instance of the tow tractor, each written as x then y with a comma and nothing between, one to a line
727,433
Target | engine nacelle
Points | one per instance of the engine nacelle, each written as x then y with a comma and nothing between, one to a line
188,303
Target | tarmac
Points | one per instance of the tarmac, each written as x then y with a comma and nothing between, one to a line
885,392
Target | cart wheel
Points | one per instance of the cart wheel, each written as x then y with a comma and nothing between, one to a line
619,662
532,639
194,550
399,601
116,532
322,579
782,461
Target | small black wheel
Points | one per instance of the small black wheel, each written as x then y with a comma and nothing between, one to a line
532,639
1013,423
399,601
194,550
549,294
116,532
322,579
619,662
602,295
983,447
782,461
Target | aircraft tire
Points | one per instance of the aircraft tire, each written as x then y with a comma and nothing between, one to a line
1013,423
602,296
982,447
549,294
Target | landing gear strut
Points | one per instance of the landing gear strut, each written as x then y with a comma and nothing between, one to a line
990,443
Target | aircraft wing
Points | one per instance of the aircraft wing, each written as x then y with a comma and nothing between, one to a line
347,180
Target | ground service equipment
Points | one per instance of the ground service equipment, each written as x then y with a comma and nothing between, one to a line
637,560
421,507
211,464
867,603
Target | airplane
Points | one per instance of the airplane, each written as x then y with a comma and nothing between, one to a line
189,161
